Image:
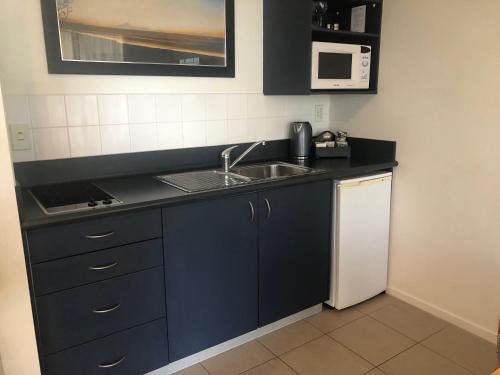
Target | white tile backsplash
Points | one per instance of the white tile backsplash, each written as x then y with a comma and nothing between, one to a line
47,111
84,141
113,109
170,136
82,110
51,143
143,137
169,108
237,106
67,126
115,139
141,109
237,130
216,132
193,107
256,106
194,133
216,107
17,110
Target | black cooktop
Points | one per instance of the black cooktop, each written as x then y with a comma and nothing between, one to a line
78,196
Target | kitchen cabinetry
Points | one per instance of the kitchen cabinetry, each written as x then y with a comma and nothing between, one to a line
294,249
126,294
210,272
288,37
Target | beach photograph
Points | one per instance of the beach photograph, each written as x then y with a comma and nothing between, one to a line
188,32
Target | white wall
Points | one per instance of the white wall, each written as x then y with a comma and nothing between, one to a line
17,336
439,100
64,123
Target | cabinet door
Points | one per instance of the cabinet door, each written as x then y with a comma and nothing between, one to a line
287,47
211,272
294,249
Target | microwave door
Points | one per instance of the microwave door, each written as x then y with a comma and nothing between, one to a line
334,70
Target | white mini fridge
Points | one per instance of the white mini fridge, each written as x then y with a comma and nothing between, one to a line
360,241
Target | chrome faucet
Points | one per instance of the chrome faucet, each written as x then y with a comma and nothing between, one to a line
226,155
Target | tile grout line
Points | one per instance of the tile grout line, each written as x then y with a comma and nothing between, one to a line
290,350
398,331
353,352
394,356
288,366
449,359
260,364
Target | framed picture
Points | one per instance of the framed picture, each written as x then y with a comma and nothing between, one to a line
147,37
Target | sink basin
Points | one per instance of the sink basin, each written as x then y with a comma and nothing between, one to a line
271,171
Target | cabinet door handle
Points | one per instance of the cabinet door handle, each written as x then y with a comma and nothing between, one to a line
107,310
252,217
103,268
99,236
112,364
268,208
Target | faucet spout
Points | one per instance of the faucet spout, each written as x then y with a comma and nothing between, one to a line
226,155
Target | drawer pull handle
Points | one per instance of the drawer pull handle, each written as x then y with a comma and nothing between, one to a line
103,268
111,365
108,310
99,236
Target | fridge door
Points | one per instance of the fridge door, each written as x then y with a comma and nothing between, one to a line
361,238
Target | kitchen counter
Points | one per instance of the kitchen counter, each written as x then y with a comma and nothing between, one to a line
144,191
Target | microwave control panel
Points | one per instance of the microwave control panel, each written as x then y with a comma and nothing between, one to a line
364,75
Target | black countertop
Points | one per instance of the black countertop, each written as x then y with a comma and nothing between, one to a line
144,191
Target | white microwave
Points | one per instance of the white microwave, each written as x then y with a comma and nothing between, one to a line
340,66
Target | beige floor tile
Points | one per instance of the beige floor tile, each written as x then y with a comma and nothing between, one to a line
421,361
375,371
290,337
377,303
372,340
410,321
331,319
469,351
193,370
239,359
324,356
273,367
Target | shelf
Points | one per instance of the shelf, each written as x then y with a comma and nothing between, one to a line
321,30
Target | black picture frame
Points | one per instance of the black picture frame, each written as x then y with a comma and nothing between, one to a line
56,65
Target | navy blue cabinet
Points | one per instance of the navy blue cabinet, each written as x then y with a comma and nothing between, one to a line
210,272
294,249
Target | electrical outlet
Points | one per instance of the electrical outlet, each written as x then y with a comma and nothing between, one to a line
319,112
21,139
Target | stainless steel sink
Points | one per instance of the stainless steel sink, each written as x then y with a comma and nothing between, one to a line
272,171
215,180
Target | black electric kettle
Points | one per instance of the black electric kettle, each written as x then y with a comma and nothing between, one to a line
300,140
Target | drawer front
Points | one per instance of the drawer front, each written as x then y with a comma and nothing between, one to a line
72,239
136,351
86,313
79,270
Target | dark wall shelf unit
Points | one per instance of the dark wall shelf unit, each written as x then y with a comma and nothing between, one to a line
288,35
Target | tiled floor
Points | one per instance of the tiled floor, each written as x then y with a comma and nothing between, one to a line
383,336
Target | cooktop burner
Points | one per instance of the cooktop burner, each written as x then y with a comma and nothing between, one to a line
57,199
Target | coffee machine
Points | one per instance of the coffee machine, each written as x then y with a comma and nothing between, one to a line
300,140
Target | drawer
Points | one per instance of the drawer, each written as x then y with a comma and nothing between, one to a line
88,312
72,239
79,270
132,352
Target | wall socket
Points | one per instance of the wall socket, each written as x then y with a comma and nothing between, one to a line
21,138
319,113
